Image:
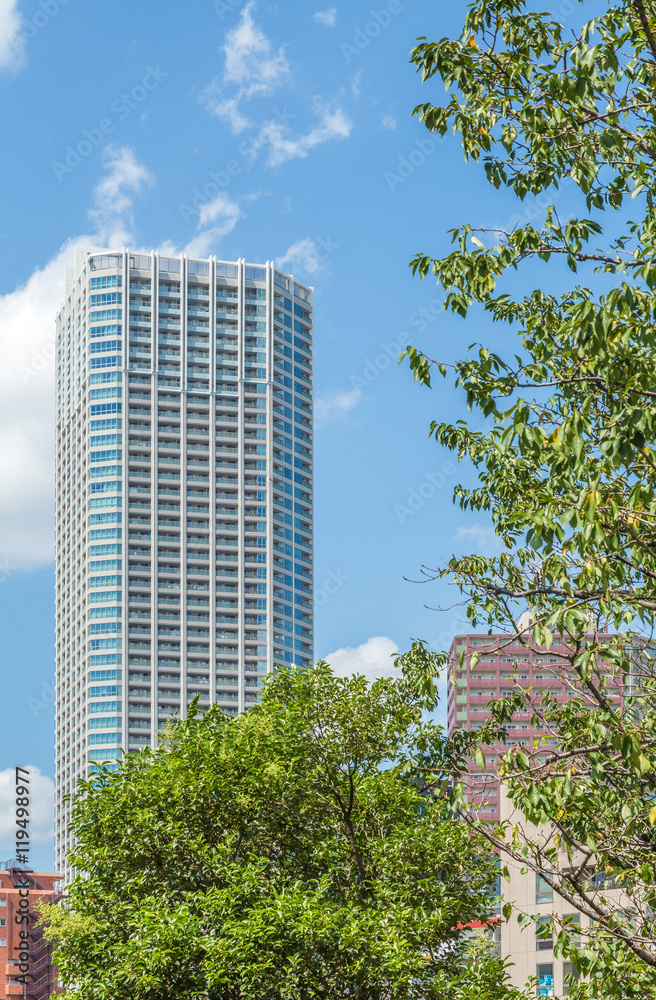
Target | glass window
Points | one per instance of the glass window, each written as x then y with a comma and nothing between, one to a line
543,891
169,264
142,262
105,345
545,987
106,299
109,722
114,738
105,315
226,270
104,262
107,330
108,392
104,597
104,706
96,676
100,408
570,976
198,267
104,425
107,281
572,924
104,440
543,934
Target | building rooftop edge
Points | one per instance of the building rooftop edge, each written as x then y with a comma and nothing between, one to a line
184,256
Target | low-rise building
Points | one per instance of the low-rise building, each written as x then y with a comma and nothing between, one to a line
26,966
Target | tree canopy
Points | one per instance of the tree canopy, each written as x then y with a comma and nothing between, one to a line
566,470
281,854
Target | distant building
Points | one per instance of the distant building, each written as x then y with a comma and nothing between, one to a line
493,676
469,691
26,967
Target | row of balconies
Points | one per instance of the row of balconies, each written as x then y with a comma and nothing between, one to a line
141,336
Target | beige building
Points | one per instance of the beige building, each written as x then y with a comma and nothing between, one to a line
529,949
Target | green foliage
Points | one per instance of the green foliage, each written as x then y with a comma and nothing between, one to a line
566,471
279,855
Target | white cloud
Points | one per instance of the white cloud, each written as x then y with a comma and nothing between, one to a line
327,17
334,403
12,43
254,68
250,61
41,808
251,65
373,659
27,382
388,122
113,195
274,136
201,245
216,218
225,214
221,210
27,347
304,255
228,111
168,249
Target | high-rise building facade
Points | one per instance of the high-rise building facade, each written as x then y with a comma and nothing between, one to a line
184,497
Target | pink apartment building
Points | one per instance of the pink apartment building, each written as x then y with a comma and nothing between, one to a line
502,667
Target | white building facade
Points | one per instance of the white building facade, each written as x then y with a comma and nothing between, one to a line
184,497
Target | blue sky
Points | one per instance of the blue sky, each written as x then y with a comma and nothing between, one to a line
246,130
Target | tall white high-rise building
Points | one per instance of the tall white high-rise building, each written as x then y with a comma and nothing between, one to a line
184,497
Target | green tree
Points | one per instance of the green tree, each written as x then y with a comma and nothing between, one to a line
567,470
280,855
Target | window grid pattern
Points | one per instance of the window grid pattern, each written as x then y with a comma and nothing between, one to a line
198,467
